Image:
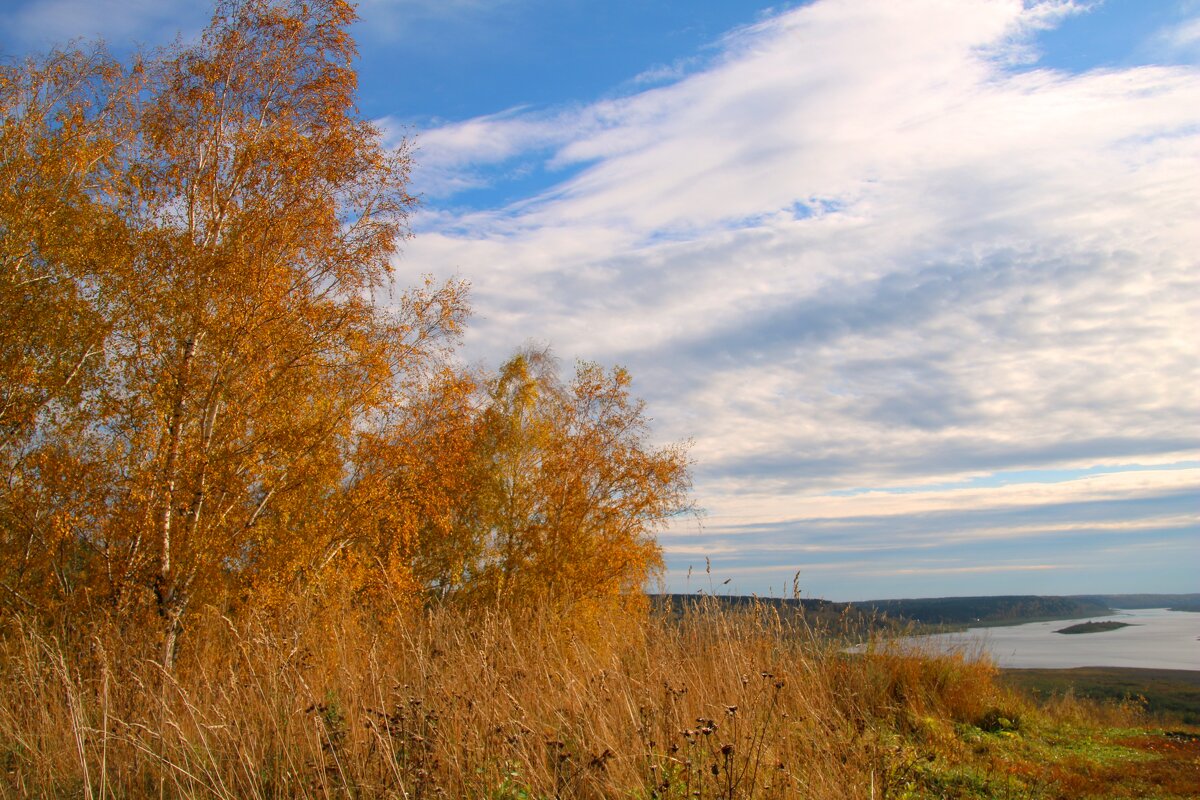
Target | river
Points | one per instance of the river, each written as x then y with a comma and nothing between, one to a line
1156,639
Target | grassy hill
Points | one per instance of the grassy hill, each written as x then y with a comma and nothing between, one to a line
711,699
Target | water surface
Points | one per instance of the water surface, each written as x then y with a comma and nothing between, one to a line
1156,639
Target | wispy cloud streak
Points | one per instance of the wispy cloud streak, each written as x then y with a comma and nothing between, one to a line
870,244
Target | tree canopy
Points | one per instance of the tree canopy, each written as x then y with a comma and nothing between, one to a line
210,391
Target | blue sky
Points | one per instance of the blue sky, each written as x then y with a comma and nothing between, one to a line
918,279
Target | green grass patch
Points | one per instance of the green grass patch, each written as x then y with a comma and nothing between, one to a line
1170,693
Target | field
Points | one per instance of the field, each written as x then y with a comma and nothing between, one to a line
707,702
1175,693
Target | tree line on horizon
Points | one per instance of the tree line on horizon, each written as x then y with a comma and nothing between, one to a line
210,394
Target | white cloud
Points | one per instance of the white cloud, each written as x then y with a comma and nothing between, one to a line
767,507
861,249
663,73
1182,39
973,569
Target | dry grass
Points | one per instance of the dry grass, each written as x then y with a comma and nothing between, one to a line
709,703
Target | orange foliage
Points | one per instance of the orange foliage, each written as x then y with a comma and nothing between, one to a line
204,399
570,493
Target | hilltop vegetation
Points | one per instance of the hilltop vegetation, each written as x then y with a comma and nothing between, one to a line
712,702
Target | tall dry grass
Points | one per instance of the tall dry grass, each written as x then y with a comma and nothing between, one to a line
323,702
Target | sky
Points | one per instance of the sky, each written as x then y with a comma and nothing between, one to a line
918,280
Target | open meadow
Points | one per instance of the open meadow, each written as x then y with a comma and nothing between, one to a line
709,703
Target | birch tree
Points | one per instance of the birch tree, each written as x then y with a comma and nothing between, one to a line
243,343
209,392
571,492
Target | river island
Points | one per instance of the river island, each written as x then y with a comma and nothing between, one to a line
1093,627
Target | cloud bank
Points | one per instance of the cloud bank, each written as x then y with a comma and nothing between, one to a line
870,246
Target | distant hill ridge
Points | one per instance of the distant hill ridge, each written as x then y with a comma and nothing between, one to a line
995,610
1175,602
974,610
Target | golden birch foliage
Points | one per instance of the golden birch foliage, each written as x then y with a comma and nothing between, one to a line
419,473
59,128
516,489
571,493
265,214
242,345
205,396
